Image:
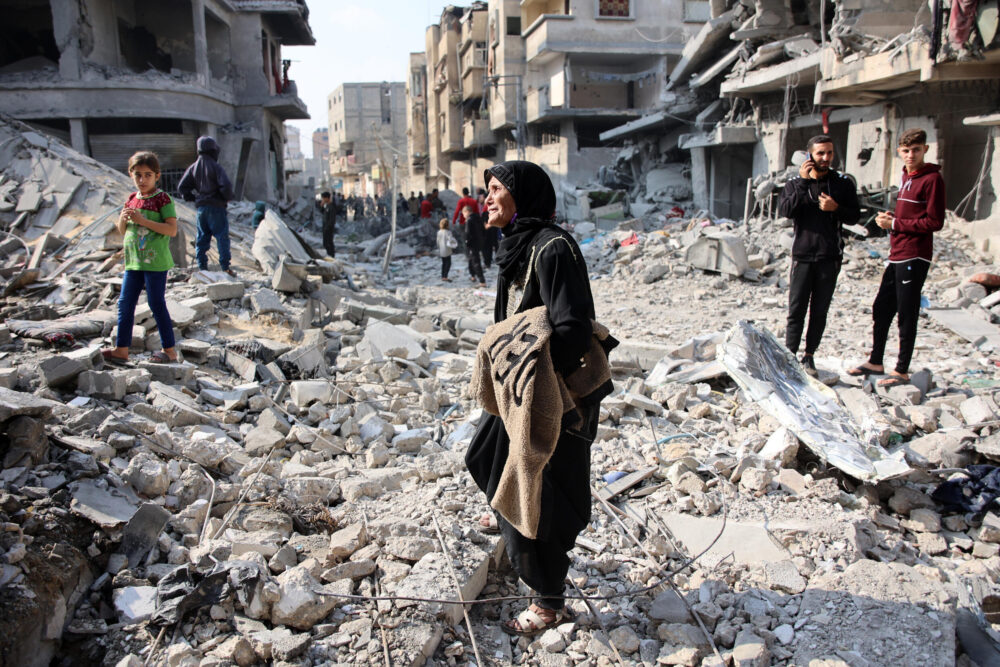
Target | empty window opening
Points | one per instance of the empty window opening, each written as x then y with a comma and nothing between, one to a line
588,133
156,36
217,36
513,25
385,102
26,38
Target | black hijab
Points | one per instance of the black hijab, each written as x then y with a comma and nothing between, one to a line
535,199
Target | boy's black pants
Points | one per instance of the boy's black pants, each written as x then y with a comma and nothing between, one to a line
810,289
898,296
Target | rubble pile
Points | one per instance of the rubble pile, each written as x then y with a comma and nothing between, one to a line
293,491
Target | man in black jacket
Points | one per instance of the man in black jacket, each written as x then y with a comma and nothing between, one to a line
820,201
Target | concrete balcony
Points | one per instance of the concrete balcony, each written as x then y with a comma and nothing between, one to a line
472,84
477,133
287,105
539,109
148,96
554,34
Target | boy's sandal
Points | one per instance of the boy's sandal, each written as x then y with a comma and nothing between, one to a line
864,371
110,357
529,623
161,357
893,381
488,524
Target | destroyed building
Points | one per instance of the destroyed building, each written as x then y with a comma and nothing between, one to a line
367,124
768,76
114,77
541,81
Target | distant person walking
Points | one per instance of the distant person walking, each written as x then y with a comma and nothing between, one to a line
147,222
458,217
475,235
206,184
920,207
820,201
446,246
328,212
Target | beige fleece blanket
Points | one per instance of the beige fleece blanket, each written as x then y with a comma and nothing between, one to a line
514,379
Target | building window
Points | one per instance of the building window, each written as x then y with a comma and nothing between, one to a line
696,11
386,103
513,25
614,8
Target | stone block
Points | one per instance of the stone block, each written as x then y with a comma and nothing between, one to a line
305,392
346,541
266,301
410,440
59,370
105,385
225,291
201,305
373,426
285,280
978,409
175,373
430,577
261,440
382,340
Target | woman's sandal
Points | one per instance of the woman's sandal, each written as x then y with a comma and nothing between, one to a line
161,357
864,371
530,623
488,524
109,356
893,381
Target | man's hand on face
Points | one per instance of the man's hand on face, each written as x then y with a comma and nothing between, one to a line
827,203
806,170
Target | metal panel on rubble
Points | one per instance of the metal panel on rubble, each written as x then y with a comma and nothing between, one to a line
720,252
769,374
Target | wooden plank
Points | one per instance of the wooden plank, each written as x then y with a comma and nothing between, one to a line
625,483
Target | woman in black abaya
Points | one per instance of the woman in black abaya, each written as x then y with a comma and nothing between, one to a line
536,271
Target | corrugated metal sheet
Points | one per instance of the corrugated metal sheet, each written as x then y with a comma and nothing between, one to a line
176,151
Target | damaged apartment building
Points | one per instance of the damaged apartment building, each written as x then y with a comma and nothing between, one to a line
538,80
762,77
114,76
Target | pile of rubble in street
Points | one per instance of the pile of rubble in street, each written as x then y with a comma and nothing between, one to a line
293,491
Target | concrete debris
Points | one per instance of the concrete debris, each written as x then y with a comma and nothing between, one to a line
316,427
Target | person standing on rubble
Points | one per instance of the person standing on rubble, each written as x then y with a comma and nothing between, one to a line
147,222
206,184
458,217
328,213
534,476
820,201
474,236
446,246
920,208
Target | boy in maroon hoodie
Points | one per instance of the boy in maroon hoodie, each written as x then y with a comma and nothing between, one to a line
919,213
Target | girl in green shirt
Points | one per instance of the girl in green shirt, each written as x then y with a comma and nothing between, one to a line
147,222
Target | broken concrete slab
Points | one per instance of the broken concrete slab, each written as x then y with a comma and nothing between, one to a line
107,507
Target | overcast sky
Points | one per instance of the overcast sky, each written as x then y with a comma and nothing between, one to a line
356,40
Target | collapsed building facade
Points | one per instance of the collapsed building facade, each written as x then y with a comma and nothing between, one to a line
766,78
111,78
